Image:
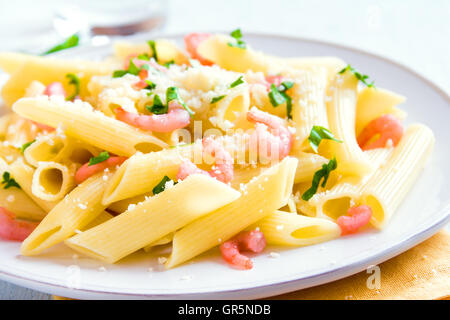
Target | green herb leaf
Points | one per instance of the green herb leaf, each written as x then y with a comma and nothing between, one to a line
237,82
133,69
73,79
322,173
161,186
173,94
237,35
119,73
103,156
275,96
278,95
361,77
70,42
9,182
168,64
150,85
152,45
217,99
144,56
158,107
26,145
319,133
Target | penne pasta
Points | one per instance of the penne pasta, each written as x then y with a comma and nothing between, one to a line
373,103
74,212
154,218
16,200
288,229
52,181
46,71
217,144
263,195
341,117
91,127
23,174
387,187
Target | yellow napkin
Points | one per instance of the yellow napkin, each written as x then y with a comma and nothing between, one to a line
422,272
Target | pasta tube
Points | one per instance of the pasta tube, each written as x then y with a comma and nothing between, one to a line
387,188
262,196
78,209
154,218
91,127
17,201
341,117
284,228
52,181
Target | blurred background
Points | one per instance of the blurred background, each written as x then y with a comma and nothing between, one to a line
415,33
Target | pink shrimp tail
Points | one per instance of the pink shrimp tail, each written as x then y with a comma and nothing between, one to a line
175,118
273,144
192,41
276,80
223,170
55,89
387,127
253,241
12,229
86,170
356,218
187,168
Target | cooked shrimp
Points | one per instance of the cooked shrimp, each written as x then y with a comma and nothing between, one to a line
357,217
192,41
386,127
177,117
253,241
223,169
87,170
276,80
12,229
55,89
274,144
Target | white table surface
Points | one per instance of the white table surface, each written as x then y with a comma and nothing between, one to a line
415,33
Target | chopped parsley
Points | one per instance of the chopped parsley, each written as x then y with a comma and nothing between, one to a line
322,173
217,99
361,77
9,182
319,133
152,45
161,186
26,145
132,69
144,56
171,94
103,156
70,42
150,85
278,95
169,63
158,107
237,35
73,79
237,82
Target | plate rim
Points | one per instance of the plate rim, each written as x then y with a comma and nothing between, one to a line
443,213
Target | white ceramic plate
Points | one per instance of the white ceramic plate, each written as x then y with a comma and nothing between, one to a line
423,213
